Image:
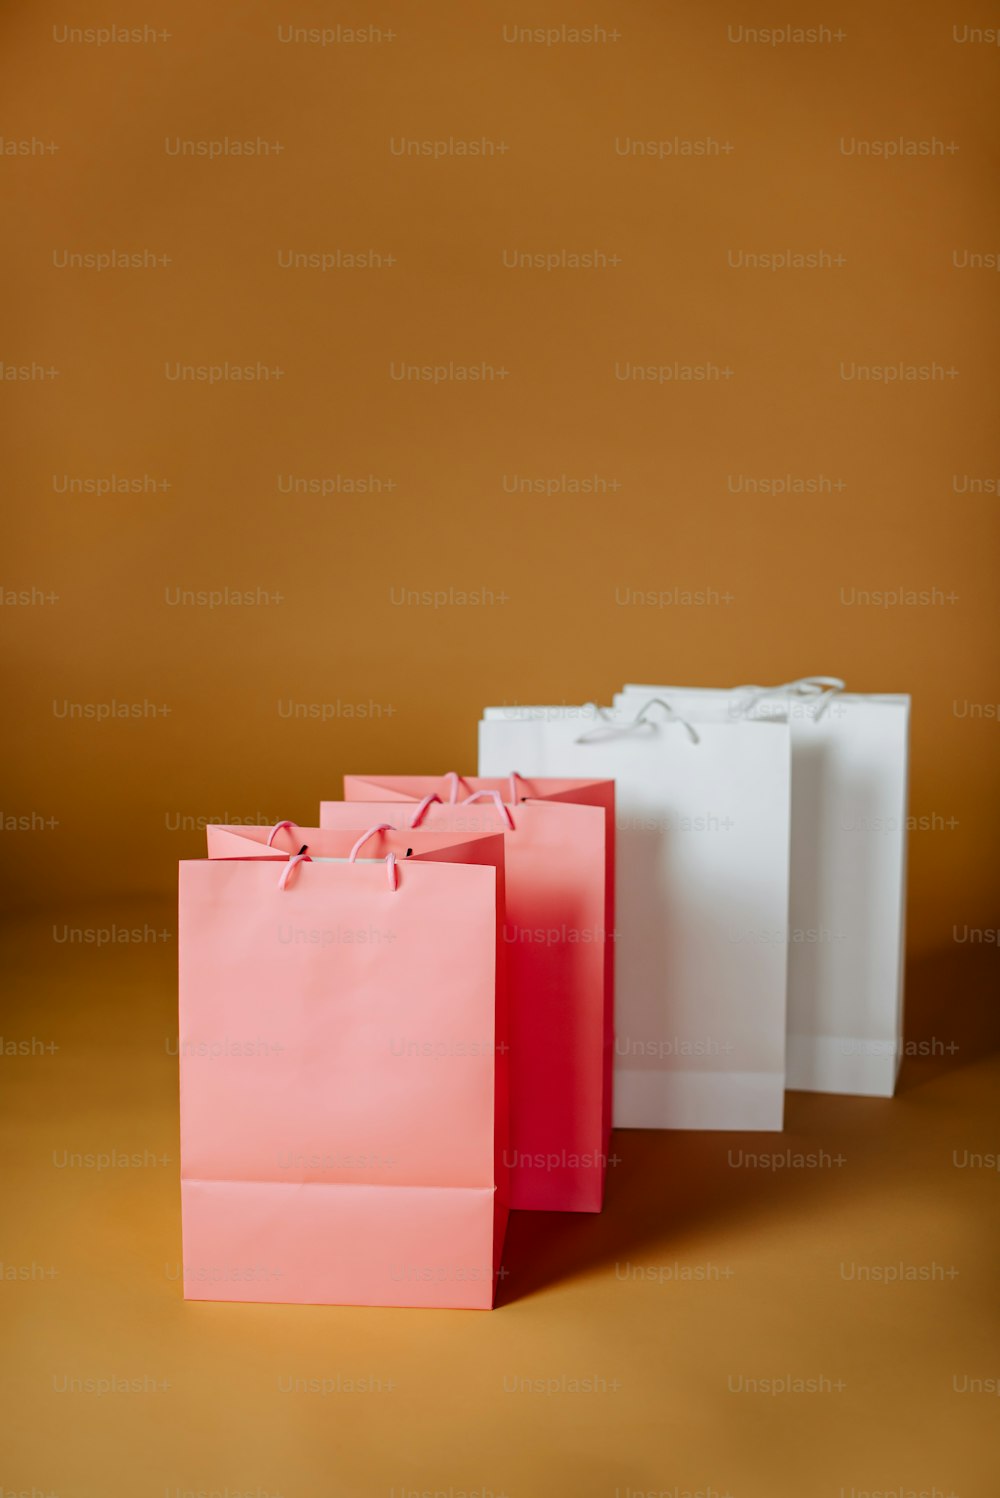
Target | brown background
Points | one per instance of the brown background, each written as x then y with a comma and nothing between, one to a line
406,683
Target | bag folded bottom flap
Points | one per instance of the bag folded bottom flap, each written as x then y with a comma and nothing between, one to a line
322,1243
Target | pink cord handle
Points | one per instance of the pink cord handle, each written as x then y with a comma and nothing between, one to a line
428,801
296,858
293,862
277,828
392,873
379,827
497,800
421,810
454,781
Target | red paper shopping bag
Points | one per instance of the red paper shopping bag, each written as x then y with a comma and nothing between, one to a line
343,1069
558,938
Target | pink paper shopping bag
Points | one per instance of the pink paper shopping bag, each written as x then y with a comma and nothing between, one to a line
559,946
343,1069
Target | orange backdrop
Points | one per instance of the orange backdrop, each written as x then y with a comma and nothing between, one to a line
706,315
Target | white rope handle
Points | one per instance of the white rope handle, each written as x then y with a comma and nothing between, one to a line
818,689
612,730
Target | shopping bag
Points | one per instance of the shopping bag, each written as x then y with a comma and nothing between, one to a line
558,936
846,922
702,868
343,1059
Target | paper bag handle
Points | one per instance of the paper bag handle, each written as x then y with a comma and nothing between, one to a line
292,826
294,859
819,689
454,781
303,856
392,872
421,811
428,801
497,800
621,730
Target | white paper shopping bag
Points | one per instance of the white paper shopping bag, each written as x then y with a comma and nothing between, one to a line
846,923
702,818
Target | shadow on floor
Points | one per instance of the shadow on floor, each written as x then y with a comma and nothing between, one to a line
666,1186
